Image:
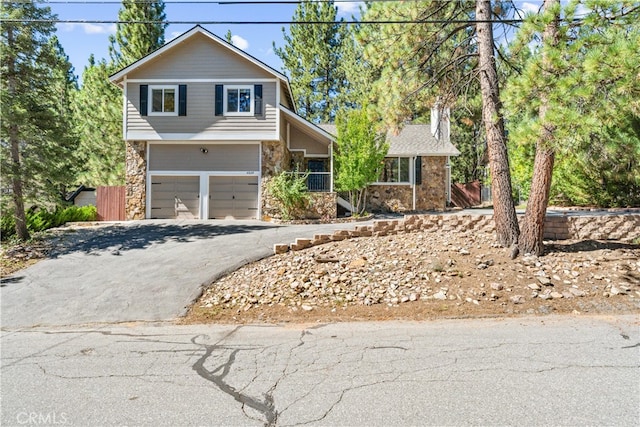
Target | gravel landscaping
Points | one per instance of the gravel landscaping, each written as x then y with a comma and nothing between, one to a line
426,274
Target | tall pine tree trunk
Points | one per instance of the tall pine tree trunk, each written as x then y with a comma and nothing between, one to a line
14,142
531,238
504,212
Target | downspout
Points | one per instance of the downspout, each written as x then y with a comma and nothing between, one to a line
125,115
447,167
288,137
413,181
331,166
259,180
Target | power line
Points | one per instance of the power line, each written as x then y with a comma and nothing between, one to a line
341,22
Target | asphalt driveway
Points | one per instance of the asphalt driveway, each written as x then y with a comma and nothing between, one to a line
137,271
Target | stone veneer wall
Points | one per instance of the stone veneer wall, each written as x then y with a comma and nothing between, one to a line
321,206
275,159
390,198
431,195
136,180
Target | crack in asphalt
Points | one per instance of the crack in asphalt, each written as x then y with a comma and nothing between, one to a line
266,406
387,347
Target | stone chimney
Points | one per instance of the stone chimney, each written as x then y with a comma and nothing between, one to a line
440,122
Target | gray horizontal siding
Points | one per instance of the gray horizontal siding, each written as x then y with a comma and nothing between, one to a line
199,58
200,113
189,157
299,140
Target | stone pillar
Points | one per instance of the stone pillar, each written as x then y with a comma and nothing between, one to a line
136,180
432,193
275,158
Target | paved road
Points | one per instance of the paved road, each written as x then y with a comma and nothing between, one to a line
527,371
142,270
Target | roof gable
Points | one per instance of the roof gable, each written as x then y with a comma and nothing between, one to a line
190,38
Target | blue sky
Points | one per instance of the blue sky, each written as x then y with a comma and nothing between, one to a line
81,40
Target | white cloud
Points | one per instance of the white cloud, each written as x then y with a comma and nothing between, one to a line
88,28
239,42
530,7
347,7
174,34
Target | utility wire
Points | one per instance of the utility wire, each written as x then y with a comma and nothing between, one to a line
342,22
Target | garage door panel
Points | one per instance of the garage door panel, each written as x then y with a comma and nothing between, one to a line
233,196
175,197
163,213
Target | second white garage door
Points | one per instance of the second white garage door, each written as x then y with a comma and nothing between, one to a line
233,196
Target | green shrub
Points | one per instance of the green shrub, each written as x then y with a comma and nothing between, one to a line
290,191
7,225
42,219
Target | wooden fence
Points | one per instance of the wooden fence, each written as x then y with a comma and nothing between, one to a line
110,203
466,195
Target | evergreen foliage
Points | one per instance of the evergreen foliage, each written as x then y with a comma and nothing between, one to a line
37,141
142,33
98,113
593,104
402,69
98,105
313,57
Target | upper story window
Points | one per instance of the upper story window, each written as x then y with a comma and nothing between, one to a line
238,100
163,100
395,169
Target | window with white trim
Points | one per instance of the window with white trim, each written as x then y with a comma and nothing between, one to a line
238,100
163,100
395,169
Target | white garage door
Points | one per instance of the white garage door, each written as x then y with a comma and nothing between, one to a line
175,197
233,196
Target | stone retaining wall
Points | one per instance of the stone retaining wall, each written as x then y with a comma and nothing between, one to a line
624,228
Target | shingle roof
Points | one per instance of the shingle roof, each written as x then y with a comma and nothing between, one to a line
413,140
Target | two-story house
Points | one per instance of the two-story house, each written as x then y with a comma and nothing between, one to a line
206,125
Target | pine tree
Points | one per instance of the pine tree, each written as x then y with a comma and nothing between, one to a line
312,57
446,61
38,143
504,212
140,32
98,112
533,225
98,106
584,109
